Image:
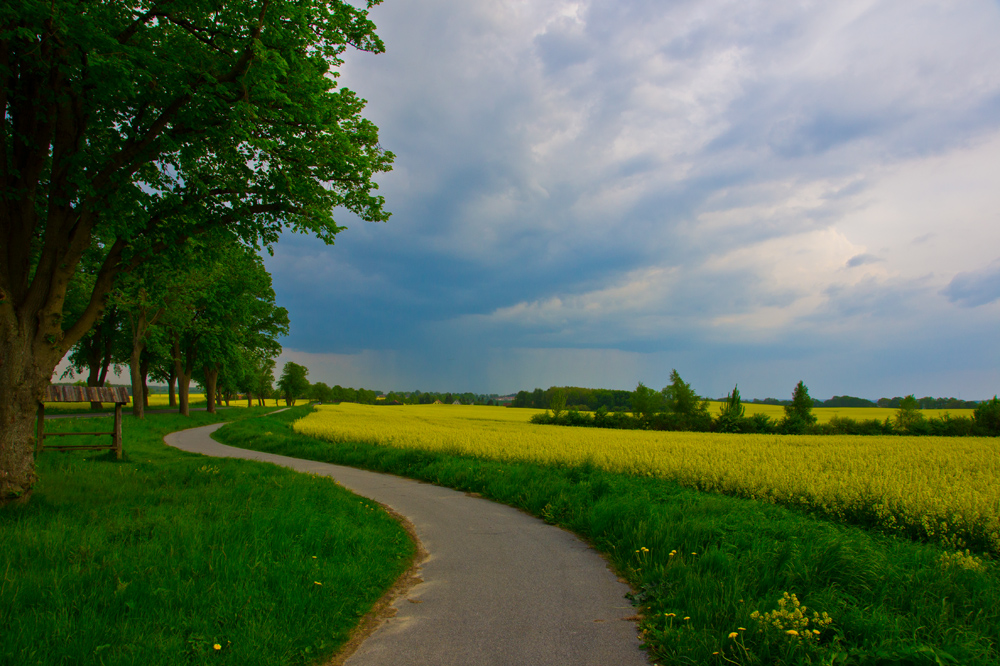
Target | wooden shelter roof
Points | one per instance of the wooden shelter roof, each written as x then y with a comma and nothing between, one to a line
116,394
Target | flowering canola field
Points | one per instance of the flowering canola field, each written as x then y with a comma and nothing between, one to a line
938,488
824,414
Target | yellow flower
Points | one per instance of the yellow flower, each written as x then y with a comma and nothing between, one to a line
217,646
687,618
733,635
317,582
742,628
792,632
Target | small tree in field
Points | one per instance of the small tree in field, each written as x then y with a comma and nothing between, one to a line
732,412
798,415
908,415
987,416
645,402
293,383
558,403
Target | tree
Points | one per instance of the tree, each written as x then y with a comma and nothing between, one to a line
645,402
132,128
908,415
798,415
558,403
293,383
680,398
987,416
732,412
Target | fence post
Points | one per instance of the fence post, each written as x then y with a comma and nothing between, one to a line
117,436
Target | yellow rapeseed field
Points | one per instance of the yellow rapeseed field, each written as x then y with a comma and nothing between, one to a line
939,488
824,414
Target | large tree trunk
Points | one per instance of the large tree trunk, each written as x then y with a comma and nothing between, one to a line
211,382
25,372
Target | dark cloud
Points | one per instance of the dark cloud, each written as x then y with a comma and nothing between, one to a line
554,150
975,288
862,260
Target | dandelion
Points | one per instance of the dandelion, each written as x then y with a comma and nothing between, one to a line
670,615
317,582
217,646
686,619
742,628
733,635
792,632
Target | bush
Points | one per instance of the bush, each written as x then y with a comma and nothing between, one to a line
987,417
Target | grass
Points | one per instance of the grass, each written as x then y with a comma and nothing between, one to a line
702,564
160,557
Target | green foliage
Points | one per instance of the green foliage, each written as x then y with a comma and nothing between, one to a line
798,415
908,417
156,558
701,564
732,414
987,417
293,383
645,402
558,403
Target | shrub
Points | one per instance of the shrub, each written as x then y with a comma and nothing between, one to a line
987,417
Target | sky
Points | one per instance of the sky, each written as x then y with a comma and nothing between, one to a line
595,193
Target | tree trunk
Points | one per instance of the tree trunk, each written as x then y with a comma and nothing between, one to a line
135,370
144,375
184,368
249,399
170,386
94,378
25,371
211,379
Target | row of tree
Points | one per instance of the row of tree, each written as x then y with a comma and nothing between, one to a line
210,318
178,137
678,407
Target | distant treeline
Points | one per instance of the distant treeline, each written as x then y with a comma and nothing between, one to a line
678,407
588,399
323,393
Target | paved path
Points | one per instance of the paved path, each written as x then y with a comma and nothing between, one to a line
500,588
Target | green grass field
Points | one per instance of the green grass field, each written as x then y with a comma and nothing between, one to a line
172,558
703,564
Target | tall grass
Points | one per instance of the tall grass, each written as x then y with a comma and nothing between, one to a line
171,558
702,564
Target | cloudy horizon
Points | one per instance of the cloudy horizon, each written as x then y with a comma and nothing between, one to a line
594,193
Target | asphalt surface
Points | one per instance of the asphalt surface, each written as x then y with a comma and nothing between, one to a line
499,588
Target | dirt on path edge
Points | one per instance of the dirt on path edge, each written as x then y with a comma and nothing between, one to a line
384,608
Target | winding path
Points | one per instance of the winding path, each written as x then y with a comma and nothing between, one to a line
498,587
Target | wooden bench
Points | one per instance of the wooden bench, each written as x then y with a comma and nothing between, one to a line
117,395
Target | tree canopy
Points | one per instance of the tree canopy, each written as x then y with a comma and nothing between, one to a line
132,129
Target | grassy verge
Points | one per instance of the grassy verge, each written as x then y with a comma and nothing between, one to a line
703,564
169,558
